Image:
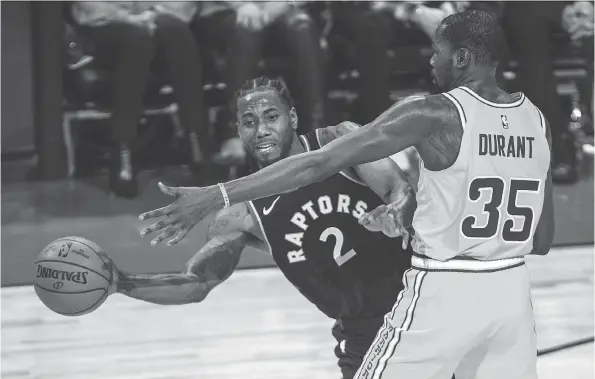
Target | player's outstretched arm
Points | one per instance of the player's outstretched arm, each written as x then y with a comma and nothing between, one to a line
229,232
544,232
405,124
389,182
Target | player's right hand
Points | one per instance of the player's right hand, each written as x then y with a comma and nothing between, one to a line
386,219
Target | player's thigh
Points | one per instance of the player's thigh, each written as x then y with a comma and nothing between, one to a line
510,348
424,336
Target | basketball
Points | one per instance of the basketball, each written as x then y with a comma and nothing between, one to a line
73,275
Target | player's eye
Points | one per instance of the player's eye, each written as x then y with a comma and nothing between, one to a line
272,117
248,123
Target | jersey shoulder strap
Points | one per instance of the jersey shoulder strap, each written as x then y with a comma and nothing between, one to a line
461,101
311,140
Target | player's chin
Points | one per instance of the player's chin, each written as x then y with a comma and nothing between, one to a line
269,156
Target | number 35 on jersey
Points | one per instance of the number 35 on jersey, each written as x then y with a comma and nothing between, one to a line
487,194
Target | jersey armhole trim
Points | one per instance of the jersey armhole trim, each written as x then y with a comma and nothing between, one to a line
307,143
542,120
264,233
342,172
459,107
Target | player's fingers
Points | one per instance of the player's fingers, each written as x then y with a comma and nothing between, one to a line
171,191
364,219
173,229
165,235
376,213
405,239
162,224
389,228
157,212
180,236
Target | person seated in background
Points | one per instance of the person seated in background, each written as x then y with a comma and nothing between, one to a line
243,30
127,38
428,15
531,44
371,30
577,20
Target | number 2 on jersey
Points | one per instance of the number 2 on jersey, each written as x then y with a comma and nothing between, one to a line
335,232
491,207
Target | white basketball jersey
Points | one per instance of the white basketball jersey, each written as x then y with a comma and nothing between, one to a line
487,204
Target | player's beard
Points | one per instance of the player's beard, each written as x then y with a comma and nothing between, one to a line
284,149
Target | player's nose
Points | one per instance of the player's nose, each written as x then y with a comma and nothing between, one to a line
263,130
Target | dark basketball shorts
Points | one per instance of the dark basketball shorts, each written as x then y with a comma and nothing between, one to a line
354,337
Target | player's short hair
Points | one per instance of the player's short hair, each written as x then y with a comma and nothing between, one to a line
264,83
477,31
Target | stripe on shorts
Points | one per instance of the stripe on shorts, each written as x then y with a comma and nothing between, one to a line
385,342
382,330
419,278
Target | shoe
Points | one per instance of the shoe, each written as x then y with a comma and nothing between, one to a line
122,179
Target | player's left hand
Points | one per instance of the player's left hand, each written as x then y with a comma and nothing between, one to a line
190,206
387,219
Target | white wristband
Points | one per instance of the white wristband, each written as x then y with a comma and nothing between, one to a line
224,194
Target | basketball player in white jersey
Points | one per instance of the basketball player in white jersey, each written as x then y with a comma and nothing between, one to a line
484,202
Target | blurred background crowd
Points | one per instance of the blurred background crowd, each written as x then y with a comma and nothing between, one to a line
150,83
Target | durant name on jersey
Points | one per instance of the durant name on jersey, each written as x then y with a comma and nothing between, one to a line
324,205
498,144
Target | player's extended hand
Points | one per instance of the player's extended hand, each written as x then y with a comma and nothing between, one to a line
388,220
190,206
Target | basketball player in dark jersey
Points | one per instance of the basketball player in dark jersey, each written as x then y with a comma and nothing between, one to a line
351,274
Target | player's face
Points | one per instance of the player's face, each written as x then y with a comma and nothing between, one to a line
266,126
443,62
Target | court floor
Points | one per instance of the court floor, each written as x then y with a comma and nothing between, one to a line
254,326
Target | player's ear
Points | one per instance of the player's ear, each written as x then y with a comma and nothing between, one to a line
463,58
294,118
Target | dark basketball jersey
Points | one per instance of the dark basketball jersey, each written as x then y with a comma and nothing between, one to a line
317,242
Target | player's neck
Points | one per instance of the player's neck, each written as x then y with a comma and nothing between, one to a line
479,80
296,146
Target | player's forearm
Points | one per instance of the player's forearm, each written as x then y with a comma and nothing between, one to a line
286,175
212,265
165,289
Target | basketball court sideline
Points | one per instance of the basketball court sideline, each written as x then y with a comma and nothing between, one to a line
254,326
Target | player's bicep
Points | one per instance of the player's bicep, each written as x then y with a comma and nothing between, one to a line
380,176
405,124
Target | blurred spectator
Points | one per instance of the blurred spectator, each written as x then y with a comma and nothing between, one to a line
531,44
577,20
370,28
244,30
428,15
126,37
